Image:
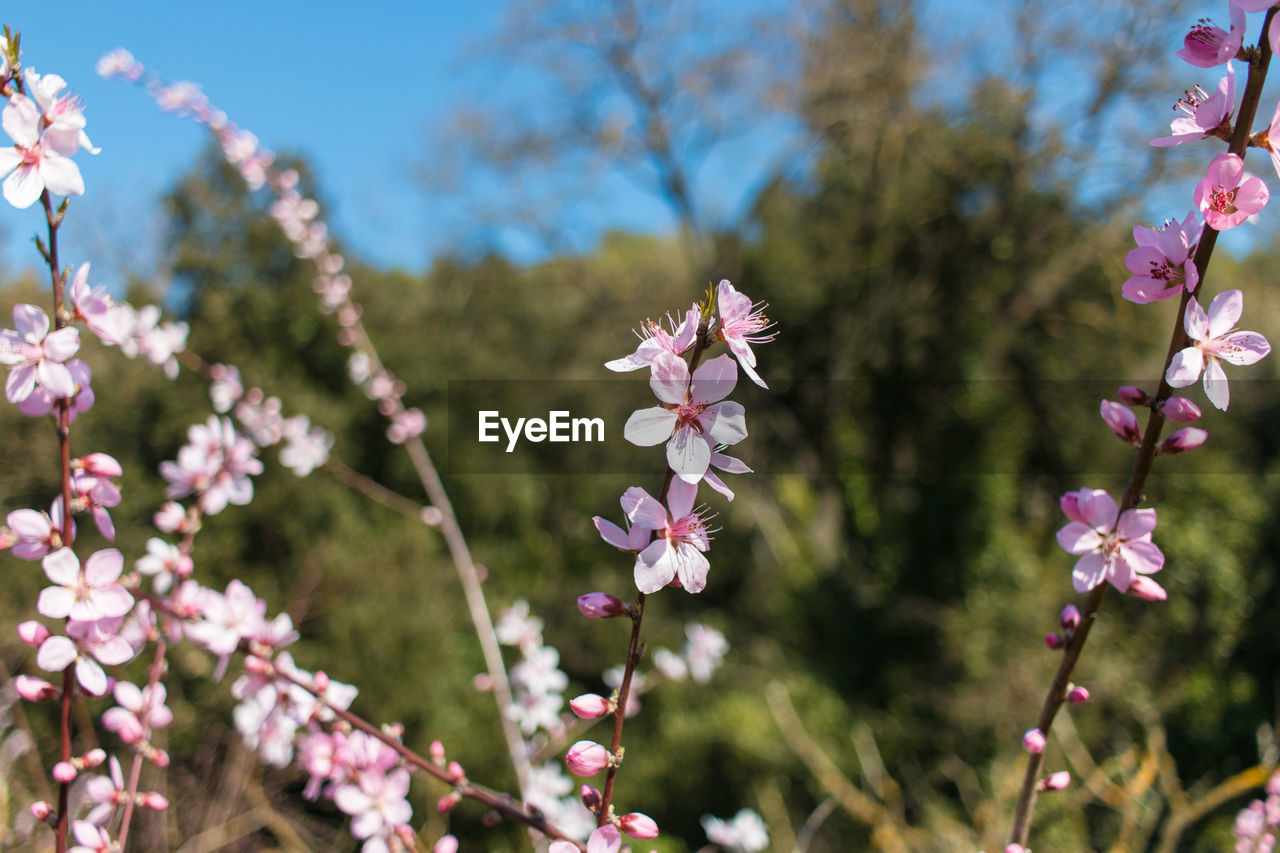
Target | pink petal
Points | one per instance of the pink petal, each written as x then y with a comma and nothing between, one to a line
31,322
680,497
715,380
55,378
655,567
688,454
1185,367
726,422
1136,523
1099,510
1078,538
62,176
55,602
62,344
23,187
56,654
1143,557
20,120
643,509
114,651
62,567
669,378
1089,571
691,568
612,533
1224,312
29,524
1215,384
113,600
1243,348
1195,321
647,427
103,567
91,676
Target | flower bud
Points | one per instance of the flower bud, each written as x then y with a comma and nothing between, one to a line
158,757
1180,410
34,689
1122,422
448,801
64,772
1078,695
446,844
1070,503
1033,741
456,773
1015,848
1069,619
589,706
1055,781
638,825
33,633
600,605
41,810
1144,587
92,759
436,751
1133,396
155,801
1054,641
590,797
586,758
1187,438
100,465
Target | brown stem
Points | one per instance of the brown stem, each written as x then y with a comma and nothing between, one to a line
1146,453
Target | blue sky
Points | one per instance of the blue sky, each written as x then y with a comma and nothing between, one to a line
357,93
361,95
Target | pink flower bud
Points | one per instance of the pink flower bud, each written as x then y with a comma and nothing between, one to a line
590,797
456,773
586,758
1273,784
1054,641
446,844
600,605
34,689
436,751
1078,695
1033,741
448,801
171,518
33,633
100,465
1122,421
1180,410
322,680
41,810
638,825
64,772
1187,438
1015,848
1055,782
159,758
93,758
155,801
1133,396
1069,618
589,706
1144,587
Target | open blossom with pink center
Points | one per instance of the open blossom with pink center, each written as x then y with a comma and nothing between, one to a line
1228,195
85,595
655,339
96,495
148,337
63,114
90,838
682,537
44,402
37,160
216,464
37,355
138,708
691,421
1215,340
1203,115
376,803
1113,549
604,839
96,309
743,323
38,533
87,645
704,650
1206,45
306,447
106,793
165,562
1162,264
637,536
227,619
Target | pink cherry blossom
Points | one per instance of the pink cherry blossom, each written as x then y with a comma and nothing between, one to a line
376,802
682,537
36,160
1203,115
1113,549
691,421
88,645
1214,340
604,839
306,447
654,339
119,62
90,838
743,323
97,310
166,562
1206,45
43,402
86,595
37,355
745,832
106,792
1162,264
1228,195
38,532
137,709
703,651
586,758
63,114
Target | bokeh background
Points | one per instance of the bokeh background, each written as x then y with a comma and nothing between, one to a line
934,200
